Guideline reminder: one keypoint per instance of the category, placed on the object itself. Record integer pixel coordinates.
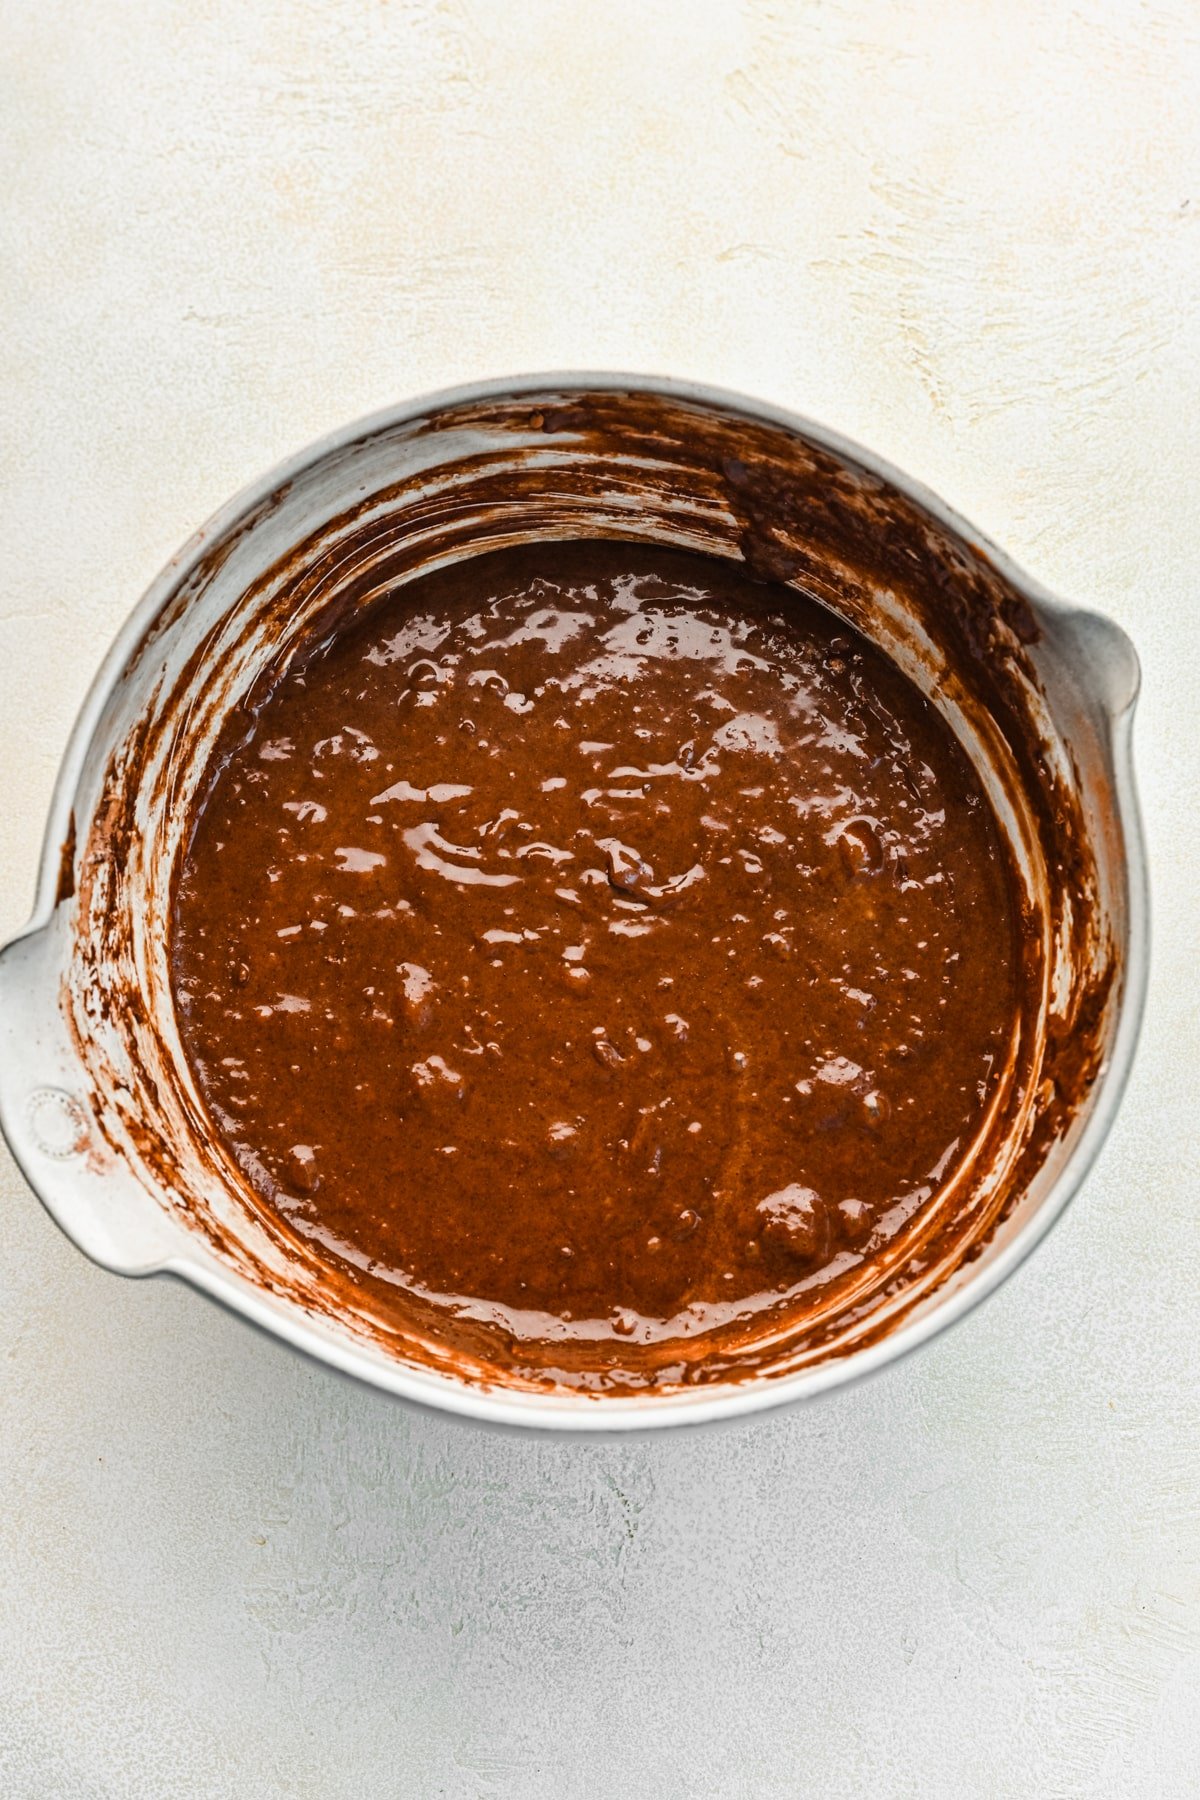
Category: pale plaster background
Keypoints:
(965, 232)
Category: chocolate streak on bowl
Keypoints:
(477, 475)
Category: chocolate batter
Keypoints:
(591, 949)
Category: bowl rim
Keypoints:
(577, 1412)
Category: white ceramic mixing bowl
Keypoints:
(96, 1099)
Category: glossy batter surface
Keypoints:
(599, 945)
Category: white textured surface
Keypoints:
(968, 234)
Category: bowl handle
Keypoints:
(1102, 658)
(49, 1122)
